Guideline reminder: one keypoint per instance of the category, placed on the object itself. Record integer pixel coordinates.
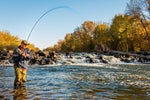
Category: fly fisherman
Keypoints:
(21, 55)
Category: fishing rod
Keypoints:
(59, 7)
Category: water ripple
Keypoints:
(79, 82)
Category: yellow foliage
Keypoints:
(10, 42)
(7, 41)
(32, 47)
(124, 34)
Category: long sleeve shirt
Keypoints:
(20, 60)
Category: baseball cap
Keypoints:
(25, 42)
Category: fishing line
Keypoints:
(59, 7)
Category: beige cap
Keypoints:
(25, 42)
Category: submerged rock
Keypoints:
(109, 59)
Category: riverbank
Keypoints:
(82, 59)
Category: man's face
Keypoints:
(23, 46)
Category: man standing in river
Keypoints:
(21, 55)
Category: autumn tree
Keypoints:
(87, 35)
(10, 42)
(7, 41)
(138, 10)
(101, 35)
(122, 34)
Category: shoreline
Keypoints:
(79, 64)
(47, 58)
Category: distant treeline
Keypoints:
(123, 34)
(9, 42)
(127, 32)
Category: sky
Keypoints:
(18, 17)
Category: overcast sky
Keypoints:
(19, 16)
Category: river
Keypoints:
(68, 82)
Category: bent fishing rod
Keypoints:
(43, 16)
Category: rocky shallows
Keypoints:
(80, 58)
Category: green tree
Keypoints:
(122, 33)
(101, 34)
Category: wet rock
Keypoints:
(133, 60)
(89, 56)
(67, 54)
(78, 57)
(110, 59)
(141, 60)
(97, 61)
(40, 53)
(66, 63)
(117, 55)
(127, 60)
(104, 61)
(53, 56)
(33, 61)
(5, 54)
(42, 61)
(91, 60)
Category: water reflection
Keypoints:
(20, 93)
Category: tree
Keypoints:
(87, 35)
(9, 42)
(122, 33)
(101, 34)
(137, 9)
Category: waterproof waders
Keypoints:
(20, 76)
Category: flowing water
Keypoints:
(105, 82)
